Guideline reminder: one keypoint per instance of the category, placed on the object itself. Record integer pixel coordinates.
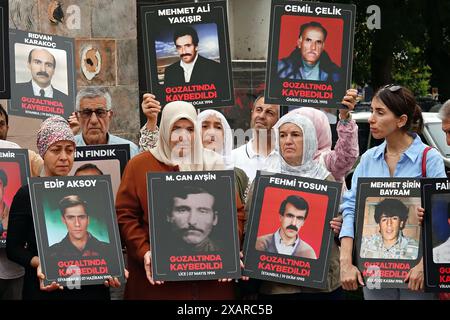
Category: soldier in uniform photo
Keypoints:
(78, 242)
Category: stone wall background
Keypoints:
(109, 26)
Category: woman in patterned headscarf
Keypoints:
(56, 145)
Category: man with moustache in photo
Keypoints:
(192, 216)
(309, 60)
(192, 67)
(42, 65)
(293, 213)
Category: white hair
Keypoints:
(93, 92)
(444, 111)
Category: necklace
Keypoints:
(393, 154)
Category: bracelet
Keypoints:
(345, 121)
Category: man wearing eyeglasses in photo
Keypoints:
(94, 114)
(293, 213)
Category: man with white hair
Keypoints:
(94, 114)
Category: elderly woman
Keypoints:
(56, 145)
(297, 145)
(178, 148)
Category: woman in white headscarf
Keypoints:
(296, 147)
(215, 131)
(179, 142)
(178, 148)
(217, 136)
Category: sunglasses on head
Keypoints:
(392, 87)
(395, 88)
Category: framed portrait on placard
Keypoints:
(185, 52)
(42, 75)
(436, 202)
(193, 225)
(288, 237)
(310, 53)
(14, 171)
(388, 234)
(102, 160)
(76, 229)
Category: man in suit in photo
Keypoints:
(42, 65)
(192, 67)
(286, 240)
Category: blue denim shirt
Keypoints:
(373, 164)
(112, 139)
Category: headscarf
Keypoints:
(52, 130)
(227, 134)
(203, 159)
(322, 126)
(309, 167)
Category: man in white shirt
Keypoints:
(252, 156)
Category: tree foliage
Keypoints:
(411, 48)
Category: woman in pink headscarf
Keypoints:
(340, 160)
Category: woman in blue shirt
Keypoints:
(397, 118)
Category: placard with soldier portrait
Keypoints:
(310, 53)
(193, 225)
(42, 75)
(436, 202)
(76, 230)
(288, 237)
(388, 234)
(14, 171)
(185, 51)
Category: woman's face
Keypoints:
(291, 143)
(58, 159)
(182, 138)
(383, 121)
(213, 134)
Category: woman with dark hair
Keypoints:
(397, 118)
